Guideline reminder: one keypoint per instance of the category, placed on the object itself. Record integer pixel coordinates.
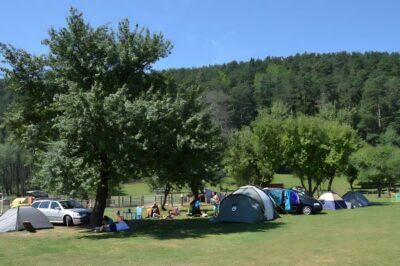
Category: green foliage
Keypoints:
(390, 137)
(187, 148)
(305, 147)
(348, 85)
(242, 105)
(15, 169)
(254, 152)
(239, 160)
(318, 149)
(378, 165)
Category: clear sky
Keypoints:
(208, 32)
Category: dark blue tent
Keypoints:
(355, 199)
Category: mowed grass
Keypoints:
(365, 236)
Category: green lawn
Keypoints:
(367, 236)
(136, 189)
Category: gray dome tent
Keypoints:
(355, 199)
(248, 204)
(12, 219)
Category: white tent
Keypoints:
(332, 201)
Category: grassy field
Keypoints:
(367, 236)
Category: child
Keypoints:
(169, 215)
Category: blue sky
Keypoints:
(206, 32)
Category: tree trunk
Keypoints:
(310, 188)
(101, 193)
(302, 182)
(166, 193)
(330, 182)
(379, 118)
(379, 188)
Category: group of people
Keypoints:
(195, 206)
(154, 212)
(108, 225)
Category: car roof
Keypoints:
(52, 199)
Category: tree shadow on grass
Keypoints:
(183, 228)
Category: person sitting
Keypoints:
(107, 225)
(31, 199)
(156, 216)
(120, 218)
(176, 211)
(195, 208)
(170, 215)
(148, 212)
(155, 211)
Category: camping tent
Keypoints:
(12, 219)
(248, 204)
(355, 199)
(332, 201)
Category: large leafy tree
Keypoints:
(188, 148)
(378, 165)
(255, 152)
(317, 150)
(342, 142)
(82, 107)
(305, 149)
(240, 160)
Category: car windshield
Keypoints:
(70, 204)
(305, 196)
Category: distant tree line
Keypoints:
(361, 89)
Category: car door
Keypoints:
(44, 208)
(55, 212)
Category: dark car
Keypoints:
(308, 205)
(291, 201)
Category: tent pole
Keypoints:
(17, 223)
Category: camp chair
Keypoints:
(138, 213)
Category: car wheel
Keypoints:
(68, 220)
(307, 210)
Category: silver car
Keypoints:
(68, 212)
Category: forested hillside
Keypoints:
(361, 89)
